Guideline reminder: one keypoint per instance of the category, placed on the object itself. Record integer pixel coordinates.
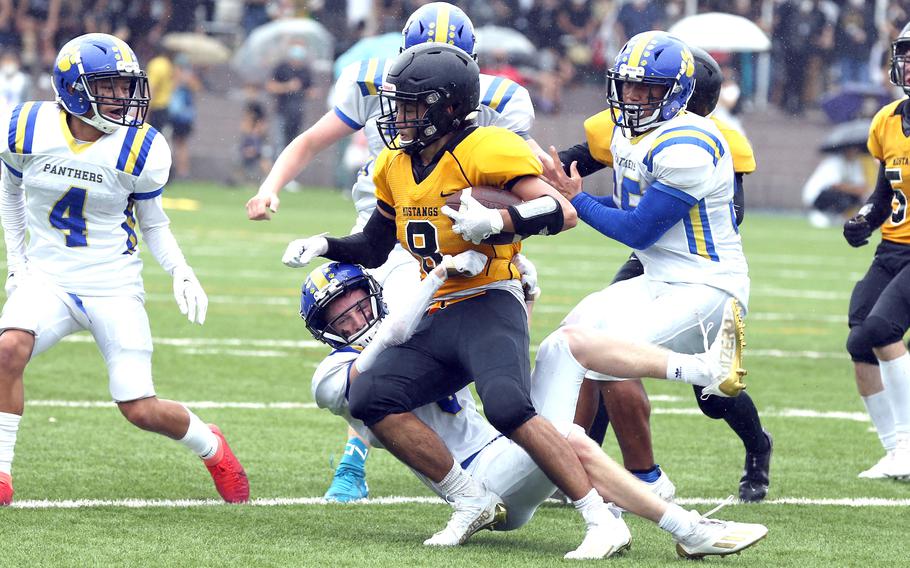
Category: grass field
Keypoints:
(254, 349)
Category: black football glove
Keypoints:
(857, 231)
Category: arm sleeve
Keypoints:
(399, 325)
(739, 198)
(156, 233)
(371, 247)
(12, 214)
(581, 153)
(658, 210)
(878, 207)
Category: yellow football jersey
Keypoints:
(889, 145)
(599, 134)
(486, 156)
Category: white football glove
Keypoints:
(468, 263)
(301, 251)
(473, 221)
(190, 296)
(528, 277)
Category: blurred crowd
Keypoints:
(817, 47)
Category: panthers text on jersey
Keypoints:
(599, 134)
(355, 100)
(690, 159)
(456, 419)
(80, 196)
(488, 156)
(890, 145)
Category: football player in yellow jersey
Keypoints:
(479, 330)
(625, 403)
(880, 304)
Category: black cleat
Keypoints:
(753, 486)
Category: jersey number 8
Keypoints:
(422, 242)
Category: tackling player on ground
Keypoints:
(78, 176)
(880, 304)
(342, 306)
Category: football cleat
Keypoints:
(727, 350)
(471, 515)
(899, 466)
(753, 486)
(714, 537)
(6, 489)
(605, 536)
(880, 469)
(348, 484)
(227, 473)
(663, 487)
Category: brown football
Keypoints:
(494, 198)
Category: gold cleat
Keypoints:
(727, 351)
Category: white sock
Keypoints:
(676, 521)
(458, 483)
(896, 379)
(9, 427)
(589, 505)
(688, 369)
(199, 438)
(879, 410)
(556, 379)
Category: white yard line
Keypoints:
(207, 404)
(385, 501)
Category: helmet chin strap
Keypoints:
(97, 121)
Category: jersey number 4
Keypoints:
(423, 243)
(67, 217)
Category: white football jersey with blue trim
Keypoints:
(80, 196)
(456, 419)
(688, 158)
(355, 100)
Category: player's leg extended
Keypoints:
(696, 536)
(34, 319)
(398, 276)
(121, 330)
(865, 363)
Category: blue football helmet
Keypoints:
(439, 22)
(655, 59)
(90, 64)
(329, 282)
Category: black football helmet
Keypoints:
(708, 79)
(900, 53)
(440, 77)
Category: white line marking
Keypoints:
(208, 404)
(216, 342)
(393, 500)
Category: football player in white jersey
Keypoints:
(342, 306)
(79, 175)
(355, 106)
(672, 202)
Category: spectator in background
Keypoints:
(839, 185)
(181, 113)
(255, 152)
(37, 21)
(577, 23)
(14, 83)
(497, 63)
(791, 37)
(638, 16)
(142, 28)
(554, 69)
(255, 14)
(9, 37)
(160, 71)
(290, 85)
(855, 35)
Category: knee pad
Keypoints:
(715, 407)
(875, 331)
(361, 402)
(507, 417)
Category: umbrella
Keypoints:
(268, 45)
(846, 135)
(715, 31)
(200, 48)
(381, 46)
(491, 39)
(854, 100)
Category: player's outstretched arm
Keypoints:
(292, 160)
(370, 247)
(12, 216)
(400, 325)
(156, 232)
